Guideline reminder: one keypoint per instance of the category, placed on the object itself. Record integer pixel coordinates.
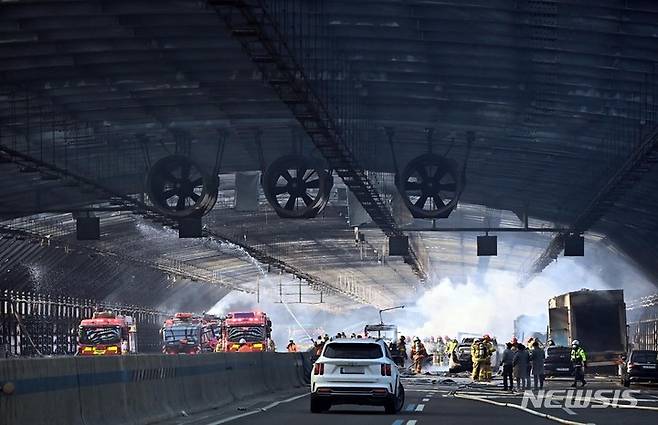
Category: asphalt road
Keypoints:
(434, 400)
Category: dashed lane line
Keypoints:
(420, 408)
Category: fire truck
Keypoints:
(211, 334)
(254, 327)
(186, 333)
(107, 334)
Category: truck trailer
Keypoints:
(596, 318)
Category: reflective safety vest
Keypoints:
(578, 356)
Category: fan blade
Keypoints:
(448, 187)
(313, 184)
(412, 186)
(278, 190)
(420, 203)
(312, 173)
(307, 199)
(290, 205)
(180, 205)
(169, 193)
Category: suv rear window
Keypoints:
(353, 351)
(644, 357)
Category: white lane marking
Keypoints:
(420, 407)
(426, 399)
(525, 409)
(412, 422)
(262, 409)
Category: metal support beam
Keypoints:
(263, 40)
(129, 203)
(643, 157)
(488, 229)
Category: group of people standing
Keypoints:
(418, 353)
(520, 363)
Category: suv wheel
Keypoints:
(395, 403)
(318, 406)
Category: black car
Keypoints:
(558, 362)
(641, 366)
(462, 356)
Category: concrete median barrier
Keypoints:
(138, 389)
(28, 388)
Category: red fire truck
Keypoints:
(212, 332)
(186, 333)
(254, 327)
(181, 334)
(107, 334)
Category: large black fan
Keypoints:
(179, 188)
(297, 186)
(431, 186)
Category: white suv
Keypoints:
(356, 371)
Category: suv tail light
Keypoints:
(386, 369)
(318, 369)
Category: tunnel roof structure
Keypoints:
(560, 95)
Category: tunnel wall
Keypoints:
(139, 389)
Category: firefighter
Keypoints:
(475, 360)
(418, 354)
(439, 350)
(451, 346)
(291, 347)
(485, 358)
(579, 361)
(244, 348)
(402, 349)
(319, 345)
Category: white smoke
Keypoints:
(487, 302)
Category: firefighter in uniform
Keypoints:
(475, 359)
(402, 349)
(418, 354)
(439, 350)
(579, 361)
(485, 368)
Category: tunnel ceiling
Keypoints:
(558, 93)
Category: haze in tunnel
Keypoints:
(488, 301)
